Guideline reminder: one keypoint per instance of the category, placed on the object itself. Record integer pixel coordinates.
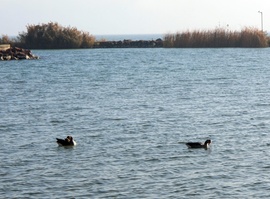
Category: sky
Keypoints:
(112, 17)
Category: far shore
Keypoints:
(158, 43)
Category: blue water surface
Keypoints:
(130, 112)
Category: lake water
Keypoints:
(130, 112)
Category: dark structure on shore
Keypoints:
(129, 44)
(15, 53)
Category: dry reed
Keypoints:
(217, 38)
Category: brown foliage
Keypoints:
(55, 36)
(7, 40)
(217, 38)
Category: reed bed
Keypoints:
(50, 36)
(217, 38)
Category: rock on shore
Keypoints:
(15, 53)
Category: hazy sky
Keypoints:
(134, 16)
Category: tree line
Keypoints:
(54, 36)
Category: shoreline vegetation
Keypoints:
(218, 38)
(54, 36)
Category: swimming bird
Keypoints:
(69, 141)
(197, 145)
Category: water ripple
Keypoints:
(131, 111)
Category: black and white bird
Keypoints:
(69, 141)
(197, 145)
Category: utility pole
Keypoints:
(261, 20)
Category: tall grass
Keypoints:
(54, 36)
(5, 39)
(217, 38)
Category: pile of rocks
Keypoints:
(15, 53)
(130, 44)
